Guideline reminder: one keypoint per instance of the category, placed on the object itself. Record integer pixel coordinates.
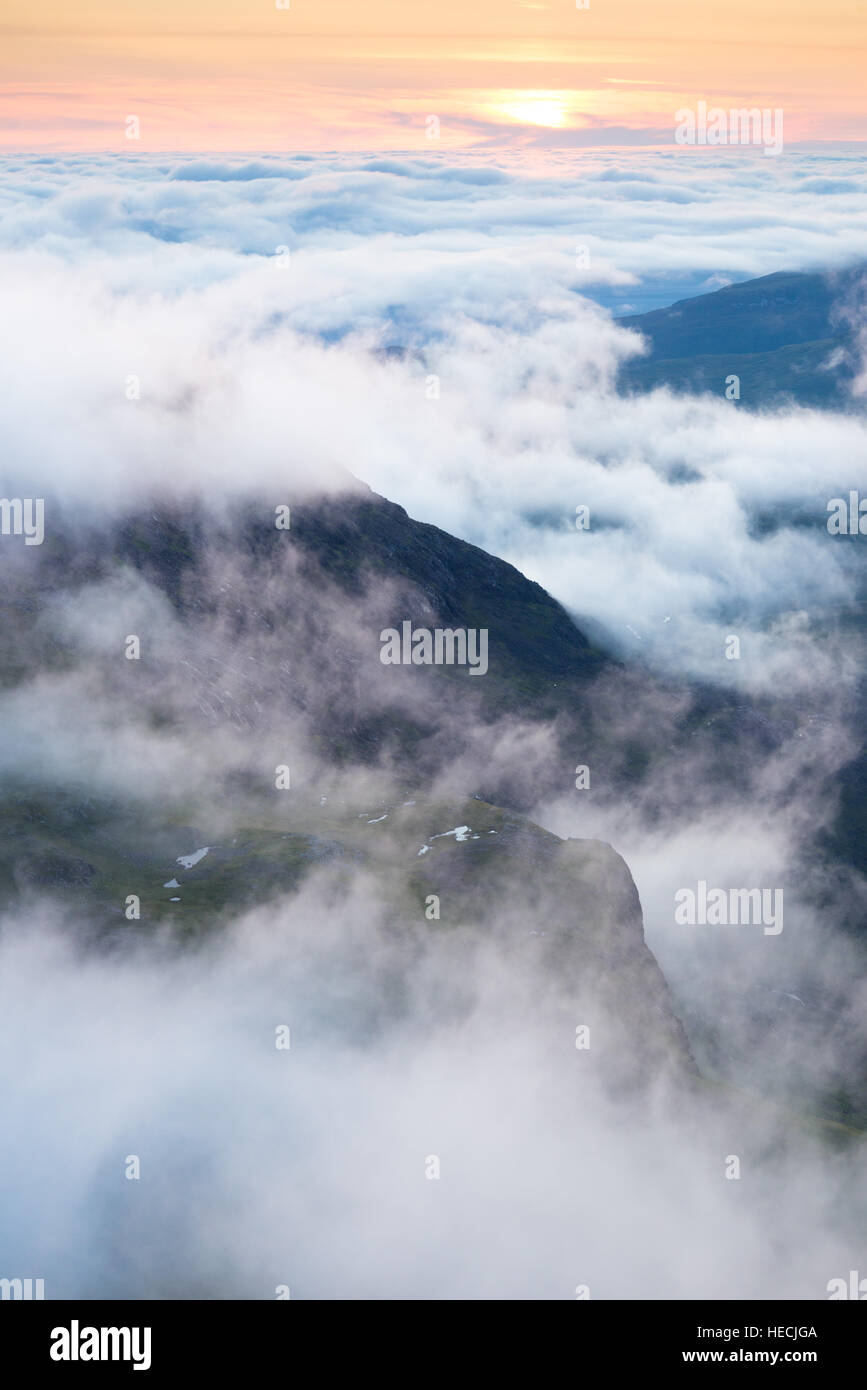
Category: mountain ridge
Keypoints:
(791, 337)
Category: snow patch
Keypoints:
(189, 860)
(460, 832)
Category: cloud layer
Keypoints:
(202, 329)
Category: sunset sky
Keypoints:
(367, 74)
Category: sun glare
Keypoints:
(535, 108)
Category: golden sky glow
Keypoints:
(367, 74)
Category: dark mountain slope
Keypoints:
(270, 649)
(564, 915)
(759, 315)
(787, 336)
(283, 623)
(261, 647)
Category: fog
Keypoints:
(157, 360)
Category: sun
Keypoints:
(542, 108)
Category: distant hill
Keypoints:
(787, 336)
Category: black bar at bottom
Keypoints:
(153, 1339)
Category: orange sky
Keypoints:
(366, 74)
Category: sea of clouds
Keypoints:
(278, 319)
(201, 327)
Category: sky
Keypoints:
(335, 74)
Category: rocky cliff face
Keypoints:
(567, 912)
(480, 896)
(260, 649)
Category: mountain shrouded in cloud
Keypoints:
(431, 952)
(225, 815)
